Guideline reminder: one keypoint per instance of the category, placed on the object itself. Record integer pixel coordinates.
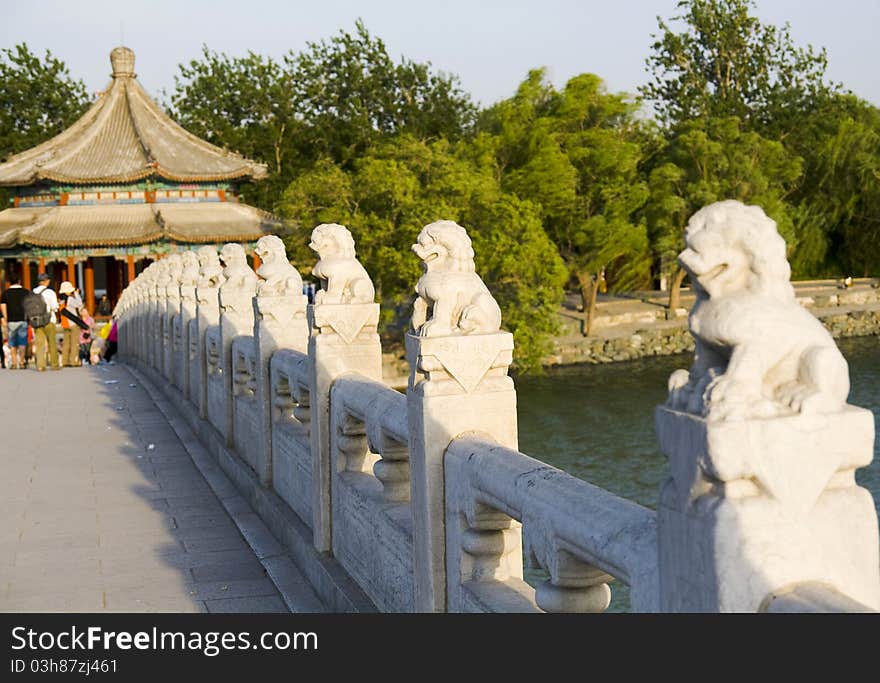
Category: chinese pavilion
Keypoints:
(121, 187)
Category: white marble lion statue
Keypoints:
(239, 275)
(343, 279)
(758, 352)
(210, 268)
(279, 277)
(452, 297)
(189, 276)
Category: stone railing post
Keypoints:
(172, 311)
(754, 506)
(207, 316)
(343, 338)
(157, 315)
(762, 446)
(458, 383)
(279, 322)
(188, 280)
(236, 318)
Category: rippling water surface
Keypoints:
(597, 422)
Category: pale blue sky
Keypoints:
(490, 45)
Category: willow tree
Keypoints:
(575, 153)
(708, 161)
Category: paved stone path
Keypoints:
(102, 509)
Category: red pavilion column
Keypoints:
(131, 273)
(26, 273)
(71, 271)
(89, 285)
(257, 261)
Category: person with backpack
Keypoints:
(13, 317)
(43, 321)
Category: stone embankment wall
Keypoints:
(848, 314)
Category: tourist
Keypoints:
(85, 335)
(45, 342)
(68, 305)
(104, 306)
(111, 343)
(16, 324)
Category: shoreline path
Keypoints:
(103, 509)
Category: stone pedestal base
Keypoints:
(755, 506)
(343, 339)
(279, 322)
(457, 384)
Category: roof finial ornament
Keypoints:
(122, 61)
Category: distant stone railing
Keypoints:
(422, 502)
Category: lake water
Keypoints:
(596, 422)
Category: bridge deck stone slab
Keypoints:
(102, 508)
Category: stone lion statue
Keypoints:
(237, 273)
(280, 278)
(210, 268)
(758, 352)
(452, 297)
(189, 276)
(343, 278)
(173, 270)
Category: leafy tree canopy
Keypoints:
(722, 61)
(403, 184)
(38, 98)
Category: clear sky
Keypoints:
(489, 44)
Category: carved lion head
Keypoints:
(271, 249)
(207, 256)
(445, 246)
(233, 254)
(190, 273)
(332, 239)
(731, 248)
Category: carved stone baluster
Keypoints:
(574, 586)
(351, 444)
(393, 469)
(302, 411)
(491, 546)
(282, 399)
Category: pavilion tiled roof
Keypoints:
(125, 137)
(127, 224)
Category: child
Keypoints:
(85, 337)
(96, 351)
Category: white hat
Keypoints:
(66, 288)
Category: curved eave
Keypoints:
(135, 177)
(34, 240)
(131, 224)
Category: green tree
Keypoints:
(404, 183)
(244, 104)
(576, 155)
(350, 93)
(722, 61)
(707, 161)
(333, 100)
(38, 100)
(838, 202)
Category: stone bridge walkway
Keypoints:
(103, 509)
